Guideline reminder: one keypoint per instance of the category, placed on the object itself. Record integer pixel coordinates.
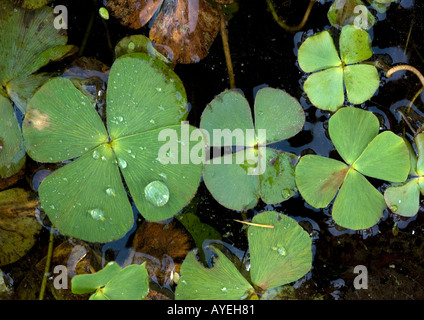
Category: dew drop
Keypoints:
(96, 214)
(163, 175)
(394, 208)
(286, 193)
(96, 154)
(225, 290)
(122, 163)
(120, 119)
(110, 192)
(280, 250)
(152, 121)
(157, 193)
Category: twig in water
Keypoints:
(283, 24)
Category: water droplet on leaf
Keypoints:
(110, 192)
(122, 163)
(97, 214)
(157, 193)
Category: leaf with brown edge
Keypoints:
(133, 13)
(185, 30)
(18, 225)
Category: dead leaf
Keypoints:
(185, 30)
(163, 246)
(18, 224)
(133, 13)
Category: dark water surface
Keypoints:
(265, 54)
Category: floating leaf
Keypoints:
(279, 114)
(86, 198)
(163, 247)
(12, 153)
(279, 255)
(350, 138)
(344, 12)
(325, 88)
(138, 43)
(327, 174)
(358, 204)
(255, 171)
(221, 282)
(404, 198)
(183, 30)
(18, 224)
(114, 283)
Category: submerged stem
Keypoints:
(224, 36)
(47, 267)
(283, 24)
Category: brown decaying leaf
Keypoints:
(185, 30)
(163, 247)
(18, 224)
(133, 13)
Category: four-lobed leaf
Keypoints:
(86, 198)
(278, 255)
(331, 72)
(253, 171)
(358, 204)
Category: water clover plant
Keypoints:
(404, 198)
(355, 135)
(86, 198)
(331, 72)
(114, 283)
(237, 180)
(28, 42)
(278, 256)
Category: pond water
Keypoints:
(264, 54)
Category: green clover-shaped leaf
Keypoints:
(280, 253)
(86, 198)
(404, 198)
(358, 204)
(330, 71)
(114, 283)
(255, 171)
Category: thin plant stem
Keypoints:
(226, 46)
(47, 267)
(285, 26)
(403, 67)
(415, 98)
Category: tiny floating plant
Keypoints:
(86, 198)
(358, 204)
(278, 256)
